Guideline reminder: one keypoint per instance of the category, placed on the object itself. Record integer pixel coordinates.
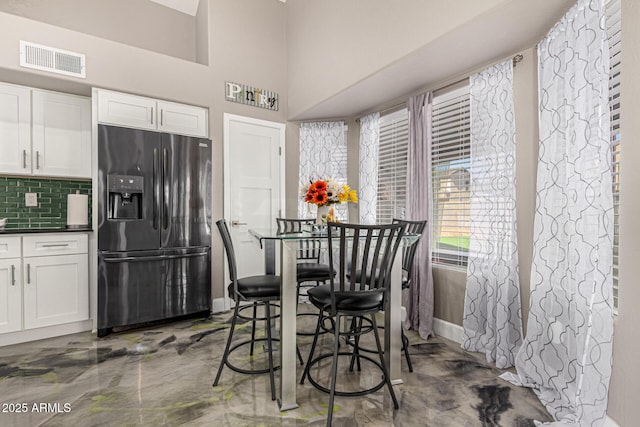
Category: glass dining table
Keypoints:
(280, 250)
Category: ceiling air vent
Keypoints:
(51, 59)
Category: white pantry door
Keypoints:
(254, 184)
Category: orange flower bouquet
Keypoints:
(326, 192)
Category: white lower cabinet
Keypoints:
(45, 282)
(10, 295)
(56, 290)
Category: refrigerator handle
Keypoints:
(165, 185)
(156, 192)
(153, 257)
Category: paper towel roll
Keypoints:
(77, 210)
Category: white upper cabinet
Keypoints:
(126, 110)
(182, 119)
(61, 135)
(122, 109)
(44, 133)
(15, 129)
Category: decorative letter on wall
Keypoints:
(249, 95)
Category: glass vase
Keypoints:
(321, 216)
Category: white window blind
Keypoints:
(392, 166)
(614, 32)
(451, 151)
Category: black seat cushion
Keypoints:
(405, 281)
(314, 271)
(256, 287)
(320, 296)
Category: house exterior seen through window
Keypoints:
(450, 169)
(451, 160)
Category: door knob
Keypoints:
(236, 222)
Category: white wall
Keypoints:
(139, 23)
(246, 45)
(335, 43)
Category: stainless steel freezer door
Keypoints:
(132, 152)
(145, 286)
(186, 191)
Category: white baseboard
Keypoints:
(447, 330)
(46, 332)
(219, 305)
(608, 422)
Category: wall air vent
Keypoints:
(50, 59)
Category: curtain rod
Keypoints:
(517, 58)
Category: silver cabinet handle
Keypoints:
(236, 222)
(161, 117)
(151, 115)
(28, 274)
(55, 245)
(37, 159)
(13, 275)
(24, 159)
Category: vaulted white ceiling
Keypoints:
(189, 7)
(507, 29)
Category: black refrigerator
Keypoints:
(154, 226)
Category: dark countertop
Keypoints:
(4, 231)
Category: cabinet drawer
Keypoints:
(54, 244)
(10, 247)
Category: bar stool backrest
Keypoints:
(409, 252)
(292, 225)
(231, 255)
(308, 249)
(368, 249)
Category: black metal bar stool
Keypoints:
(408, 255)
(259, 290)
(370, 249)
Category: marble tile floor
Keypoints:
(162, 375)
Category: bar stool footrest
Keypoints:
(346, 393)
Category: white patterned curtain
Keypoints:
(369, 151)
(566, 354)
(323, 154)
(492, 322)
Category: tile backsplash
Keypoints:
(51, 211)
